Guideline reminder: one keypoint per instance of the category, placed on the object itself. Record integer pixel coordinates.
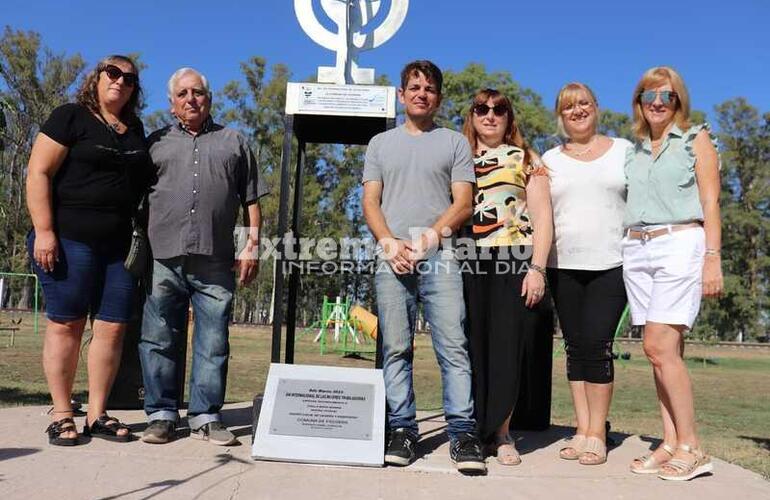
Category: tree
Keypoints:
(745, 207)
(535, 121)
(33, 81)
(616, 124)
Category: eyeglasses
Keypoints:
(483, 109)
(569, 108)
(667, 97)
(114, 73)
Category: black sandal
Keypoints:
(59, 427)
(107, 427)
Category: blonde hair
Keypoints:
(655, 77)
(568, 95)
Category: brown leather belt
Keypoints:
(633, 234)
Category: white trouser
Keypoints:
(664, 276)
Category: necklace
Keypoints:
(113, 125)
(586, 150)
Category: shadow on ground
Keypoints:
(763, 443)
(11, 453)
(165, 486)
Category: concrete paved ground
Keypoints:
(187, 468)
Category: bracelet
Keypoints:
(540, 269)
(713, 251)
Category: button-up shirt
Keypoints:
(663, 189)
(201, 182)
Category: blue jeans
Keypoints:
(209, 284)
(438, 285)
(86, 280)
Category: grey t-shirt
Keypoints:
(417, 172)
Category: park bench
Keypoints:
(12, 331)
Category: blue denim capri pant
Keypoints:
(86, 281)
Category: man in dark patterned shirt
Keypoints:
(205, 173)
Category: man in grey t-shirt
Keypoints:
(418, 185)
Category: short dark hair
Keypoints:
(427, 68)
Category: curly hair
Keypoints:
(88, 95)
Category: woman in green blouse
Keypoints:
(671, 255)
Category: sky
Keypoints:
(722, 49)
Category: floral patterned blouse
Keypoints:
(500, 216)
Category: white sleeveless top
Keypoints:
(588, 198)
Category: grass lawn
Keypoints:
(732, 386)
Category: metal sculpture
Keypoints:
(351, 17)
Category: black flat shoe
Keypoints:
(56, 429)
(107, 427)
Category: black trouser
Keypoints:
(589, 305)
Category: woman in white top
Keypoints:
(585, 263)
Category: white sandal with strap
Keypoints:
(650, 464)
(678, 469)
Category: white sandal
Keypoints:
(574, 447)
(678, 469)
(650, 464)
(594, 452)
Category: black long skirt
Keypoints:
(501, 330)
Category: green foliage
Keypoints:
(33, 81)
(745, 206)
(534, 119)
(616, 124)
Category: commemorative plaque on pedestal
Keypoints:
(322, 414)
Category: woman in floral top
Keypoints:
(504, 278)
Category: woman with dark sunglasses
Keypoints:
(86, 170)
(671, 255)
(505, 284)
(585, 271)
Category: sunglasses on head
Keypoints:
(483, 109)
(667, 97)
(114, 73)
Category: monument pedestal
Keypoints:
(324, 114)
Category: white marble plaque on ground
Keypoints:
(322, 414)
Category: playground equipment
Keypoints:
(364, 321)
(349, 326)
(619, 329)
(10, 285)
(622, 325)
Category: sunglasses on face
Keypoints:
(667, 97)
(114, 73)
(483, 109)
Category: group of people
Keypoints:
(90, 168)
(596, 223)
